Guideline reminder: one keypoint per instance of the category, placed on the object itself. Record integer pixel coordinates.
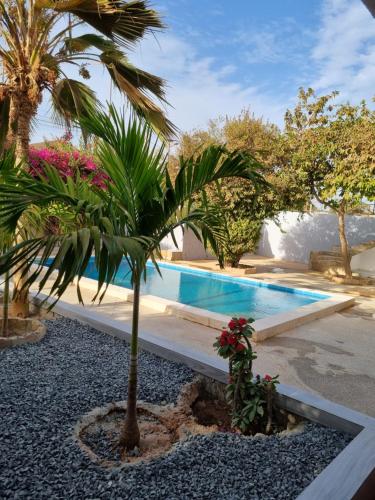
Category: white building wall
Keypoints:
(296, 236)
(299, 234)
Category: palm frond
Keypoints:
(63, 258)
(111, 54)
(98, 232)
(136, 84)
(136, 164)
(141, 203)
(124, 22)
(82, 43)
(213, 164)
(142, 105)
(121, 69)
(73, 100)
(129, 153)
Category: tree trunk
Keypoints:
(24, 111)
(130, 435)
(344, 244)
(4, 323)
(20, 307)
(12, 126)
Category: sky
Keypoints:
(219, 57)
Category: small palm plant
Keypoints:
(6, 238)
(5, 319)
(138, 209)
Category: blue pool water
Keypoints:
(217, 293)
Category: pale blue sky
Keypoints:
(220, 57)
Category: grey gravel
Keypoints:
(45, 388)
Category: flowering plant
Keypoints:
(68, 161)
(251, 398)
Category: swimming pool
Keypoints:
(215, 292)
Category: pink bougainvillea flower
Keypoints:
(267, 378)
(69, 164)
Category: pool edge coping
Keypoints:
(342, 479)
(265, 328)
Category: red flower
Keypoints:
(224, 338)
(267, 378)
(240, 347)
(242, 321)
(232, 339)
(232, 324)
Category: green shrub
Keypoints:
(243, 237)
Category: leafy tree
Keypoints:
(242, 203)
(39, 39)
(332, 153)
(140, 207)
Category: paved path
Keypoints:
(333, 357)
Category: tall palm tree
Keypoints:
(141, 206)
(40, 39)
(38, 43)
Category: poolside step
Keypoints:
(171, 255)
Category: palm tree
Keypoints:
(141, 205)
(37, 44)
(40, 39)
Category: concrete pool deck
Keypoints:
(264, 327)
(333, 357)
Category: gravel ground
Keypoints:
(45, 388)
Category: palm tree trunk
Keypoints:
(21, 135)
(5, 320)
(130, 435)
(25, 114)
(20, 300)
(344, 244)
(13, 118)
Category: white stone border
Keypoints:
(264, 327)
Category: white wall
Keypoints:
(188, 243)
(364, 262)
(299, 234)
(168, 244)
(193, 249)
